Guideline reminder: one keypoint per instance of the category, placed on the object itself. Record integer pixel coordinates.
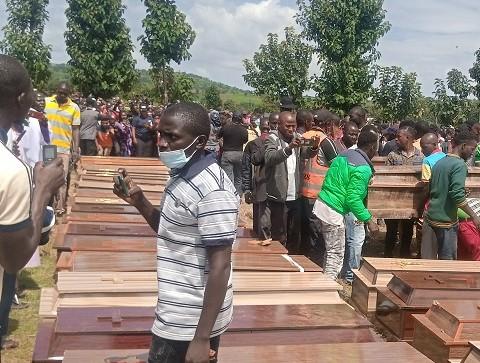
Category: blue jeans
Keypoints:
(355, 237)
(439, 241)
(171, 351)
(8, 292)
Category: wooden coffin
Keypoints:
(325, 353)
(444, 331)
(411, 293)
(129, 328)
(97, 215)
(473, 356)
(108, 179)
(113, 200)
(92, 261)
(145, 244)
(93, 328)
(329, 353)
(108, 185)
(140, 289)
(104, 209)
(377, 272)
(108, 193)
(297, 324)
(131, 169)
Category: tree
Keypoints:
(23, 38)
(212, 98)
(280, 68)
(167, 38)
(459, 84)
(100, 49)
(398, 95)
(475, 74)
(182, 88)
(345, 34)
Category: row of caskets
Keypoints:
(102, 307)
(433, 305)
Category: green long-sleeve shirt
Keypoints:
(447, 191)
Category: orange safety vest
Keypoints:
(315, 169)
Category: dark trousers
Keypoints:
(286, 224)
(88, 147)
(406, 234)
(262, 220)
(171, 351)
(313, 245)
(8, 292)
(144, 148)
(441, 240)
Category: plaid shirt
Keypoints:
(397, 157)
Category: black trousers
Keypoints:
(172, 351)
(406, 234)
(287, 224)
(313, 245)
(88, 147)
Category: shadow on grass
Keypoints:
(26, 280)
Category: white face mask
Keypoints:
(176, 159)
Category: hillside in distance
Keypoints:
(232, 96)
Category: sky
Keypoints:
(428, 37)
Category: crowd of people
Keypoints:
(306, 173)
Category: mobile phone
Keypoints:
(49, 153)
(121, 184)
(306, 142)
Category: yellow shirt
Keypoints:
(61, 118)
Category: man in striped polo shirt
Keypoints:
(63, 117)
(196, 226)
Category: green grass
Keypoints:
(23, 323)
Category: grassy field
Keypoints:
(23, 323)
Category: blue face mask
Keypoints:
(176, 159)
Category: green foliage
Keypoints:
(448, 109)
(280, 68)
(345, 34)
(167, 37)
(182, 88)
(459, 84)
(475, 74)
(23, 38)
(212, 98)
(99, 45)
(398, 95)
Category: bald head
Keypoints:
(287, 125)
(429, 143)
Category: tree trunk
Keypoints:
(165, 93)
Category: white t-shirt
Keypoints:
(30, 146)
(15, 191)
(327, 214)
(291, 170)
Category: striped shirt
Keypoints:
(61, 118)
(199, 210)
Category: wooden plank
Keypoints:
(108, 185)
(108, 193)
(90, 214)
(104, 209)
(329, 353)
